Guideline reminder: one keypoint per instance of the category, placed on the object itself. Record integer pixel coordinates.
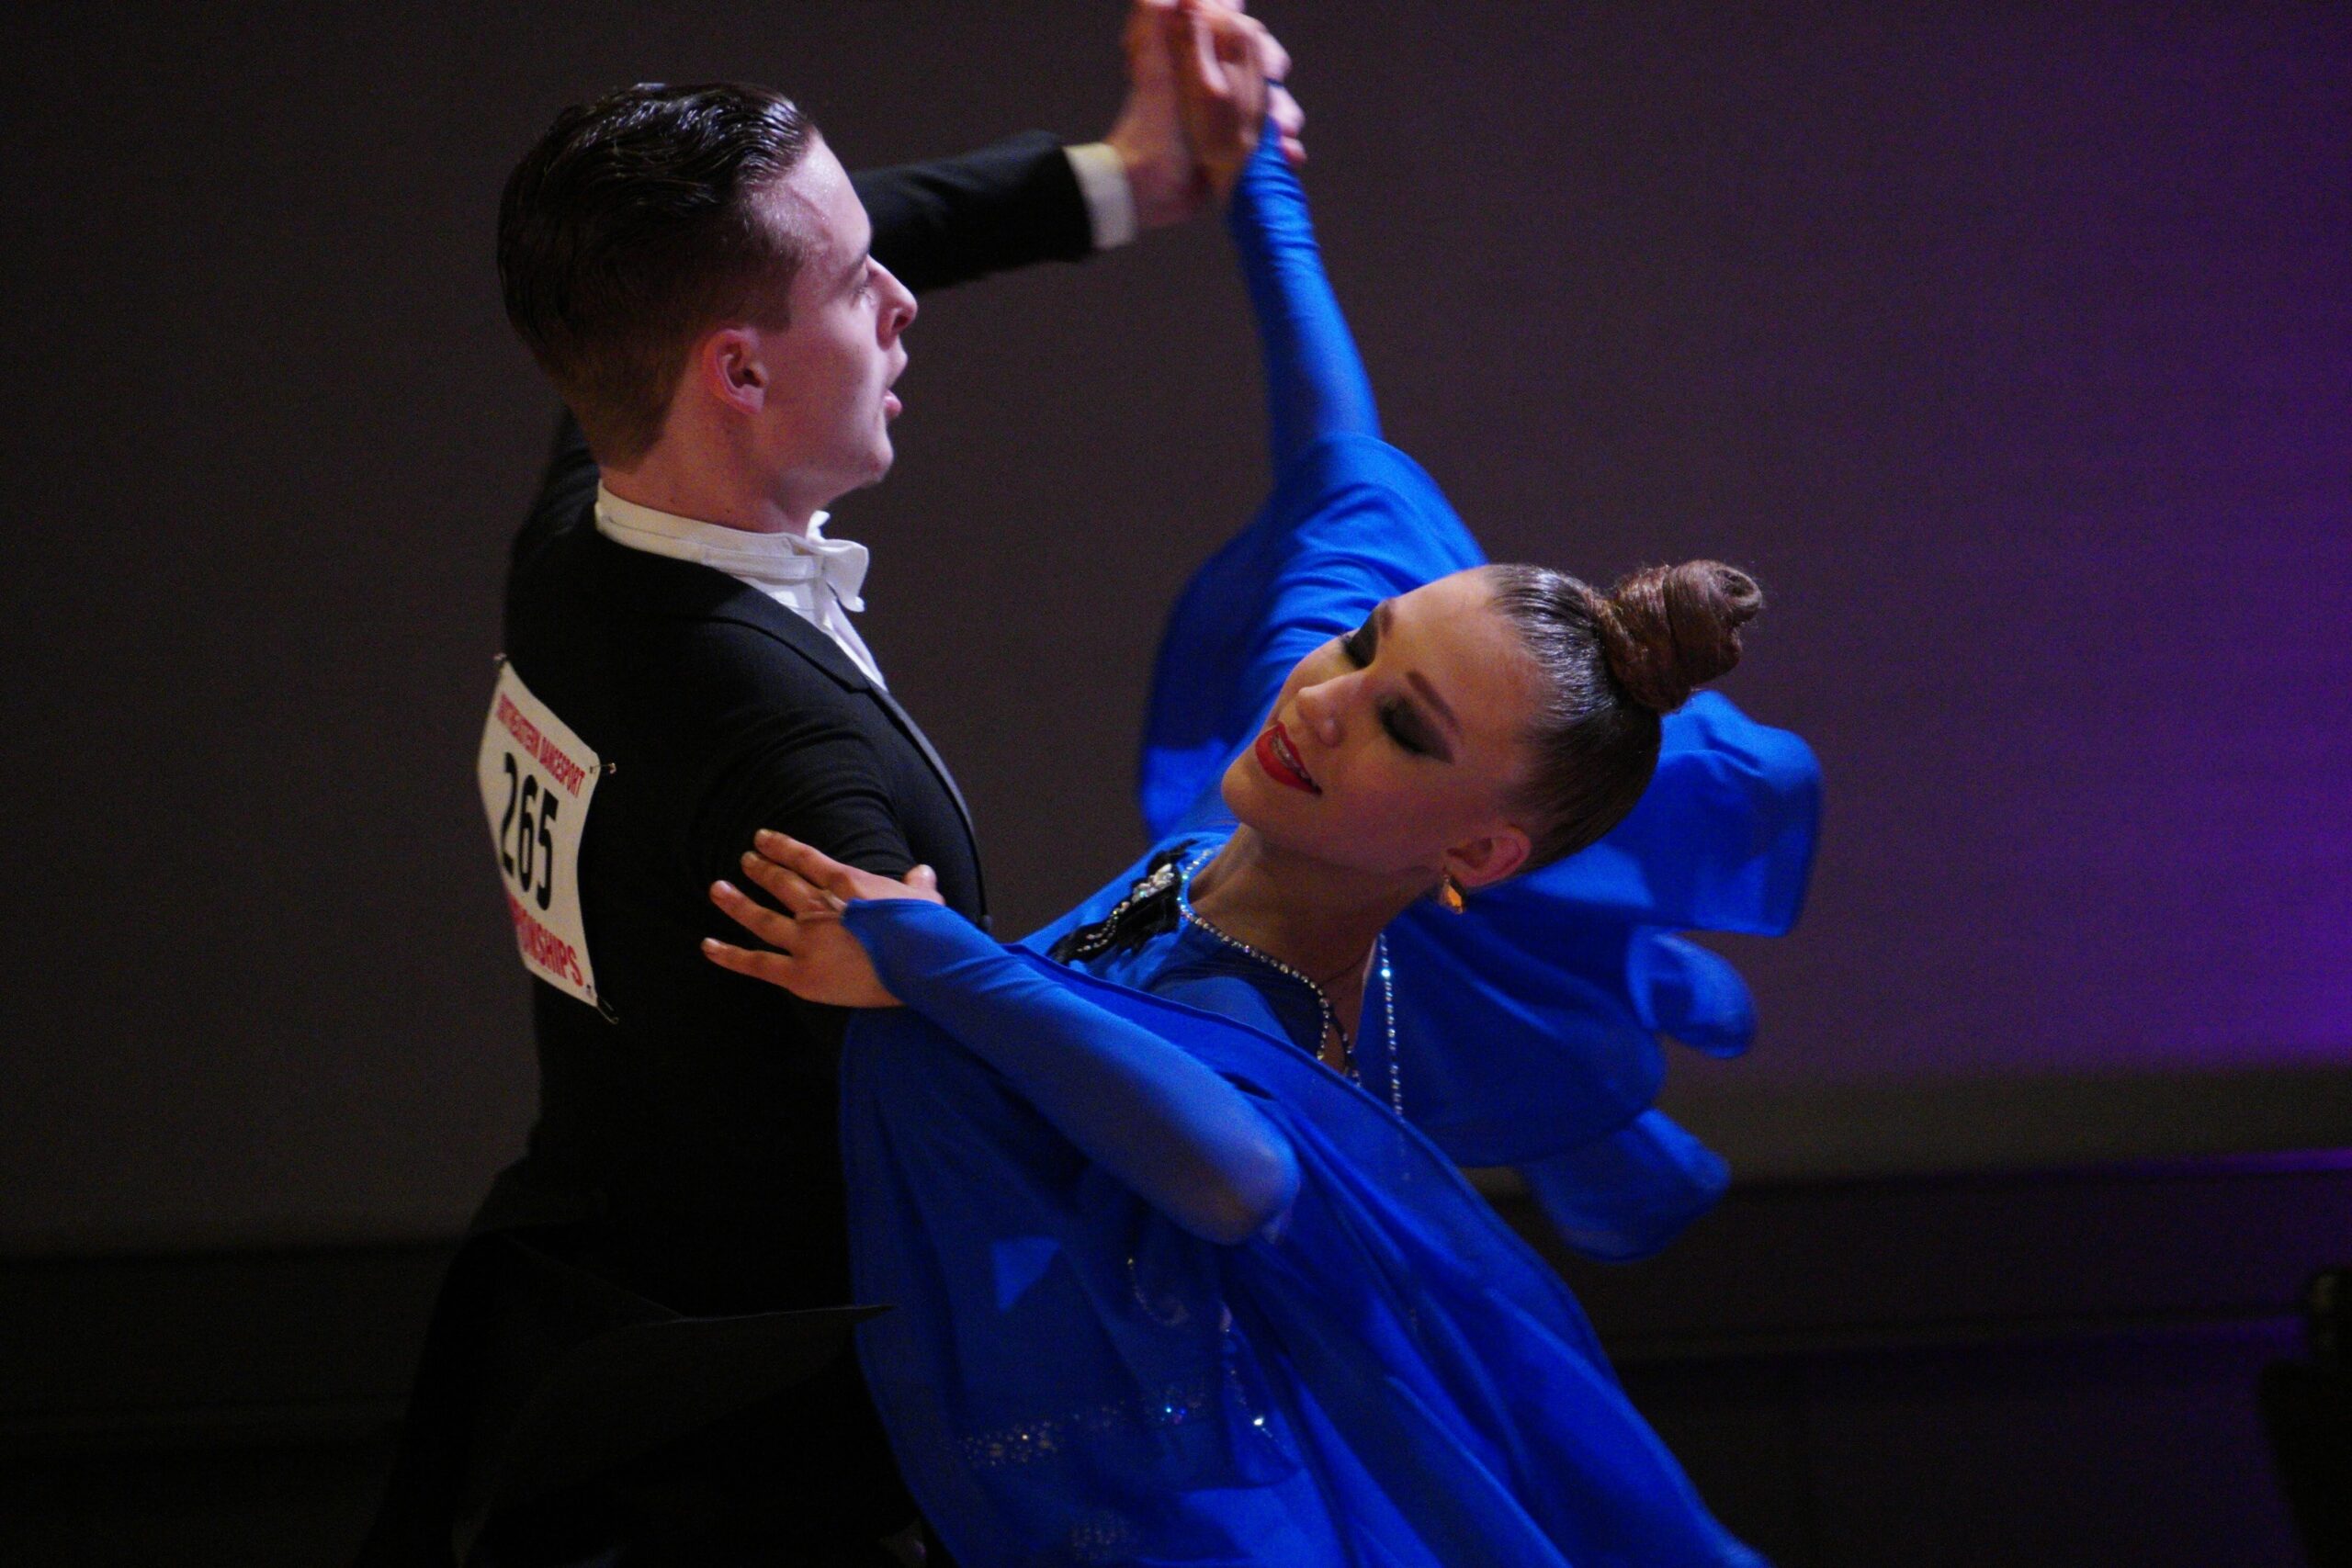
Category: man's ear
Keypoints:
(731, 367)
(1488, 858)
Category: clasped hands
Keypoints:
(1203, 79)
(814, 955)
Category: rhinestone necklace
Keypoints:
(1323, 1003)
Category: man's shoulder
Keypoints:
(626, 616)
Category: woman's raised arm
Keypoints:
(1316, 381)
(1315, 385)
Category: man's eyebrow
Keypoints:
(856, 267)
(1418, 681)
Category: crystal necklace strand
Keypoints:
(1322, 1002)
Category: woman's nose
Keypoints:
(1320, 708)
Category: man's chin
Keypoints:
(876, 469)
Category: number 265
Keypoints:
(525, 803)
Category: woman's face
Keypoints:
(1392, 751)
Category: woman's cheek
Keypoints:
(1373, 803)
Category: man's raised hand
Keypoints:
(1164, 169)
(814, 955)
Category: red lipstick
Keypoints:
(1279, 758)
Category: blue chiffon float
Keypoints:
(1388, 1375)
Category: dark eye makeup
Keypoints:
(1403, 725)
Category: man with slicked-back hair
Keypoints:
(641, 1354)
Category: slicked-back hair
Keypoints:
(637, 224)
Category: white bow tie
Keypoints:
(779, 559)
(773, 560)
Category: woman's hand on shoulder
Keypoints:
(810, 951)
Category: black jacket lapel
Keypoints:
(913, 731)
(664, 586)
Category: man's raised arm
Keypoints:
(1028, 198)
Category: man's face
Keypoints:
(826, 427)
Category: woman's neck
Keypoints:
(1319, 919)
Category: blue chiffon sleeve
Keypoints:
(1529, 1027)
(1184, 1139)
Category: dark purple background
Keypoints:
(2011, 350)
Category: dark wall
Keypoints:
(2007, 348)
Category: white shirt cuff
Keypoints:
(1110, 204)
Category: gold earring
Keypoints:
(1449, 896)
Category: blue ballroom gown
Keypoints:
(1385, 1375)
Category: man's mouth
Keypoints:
(1277, 755)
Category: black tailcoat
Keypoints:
(642, 1345)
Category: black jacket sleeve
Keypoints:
(950, 221)
(809, 772)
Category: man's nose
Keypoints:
(898, 304)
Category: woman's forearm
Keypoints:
(1315, 385)
(1182, 1137)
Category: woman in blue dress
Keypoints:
(1166, 1199)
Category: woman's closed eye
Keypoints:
(1404, 726)
(1402, 723)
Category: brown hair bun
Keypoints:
(1666, 630)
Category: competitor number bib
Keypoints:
(536, 778)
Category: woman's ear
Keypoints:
(1488, 858)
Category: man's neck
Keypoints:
(684, 490)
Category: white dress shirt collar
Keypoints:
(767, 559)
(819, 579)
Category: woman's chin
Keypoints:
(1238, 791)
(1310, 827)
(1256, 805)
(1246, 798)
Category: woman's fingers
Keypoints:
(809, 882)
(775, 968)
(1290, 119)
(1274, 63)
(776, 930)
(1271, 56)
(820, 868)
(795, 892)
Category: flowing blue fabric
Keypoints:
(1383, 1373)
(1386, 1375)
